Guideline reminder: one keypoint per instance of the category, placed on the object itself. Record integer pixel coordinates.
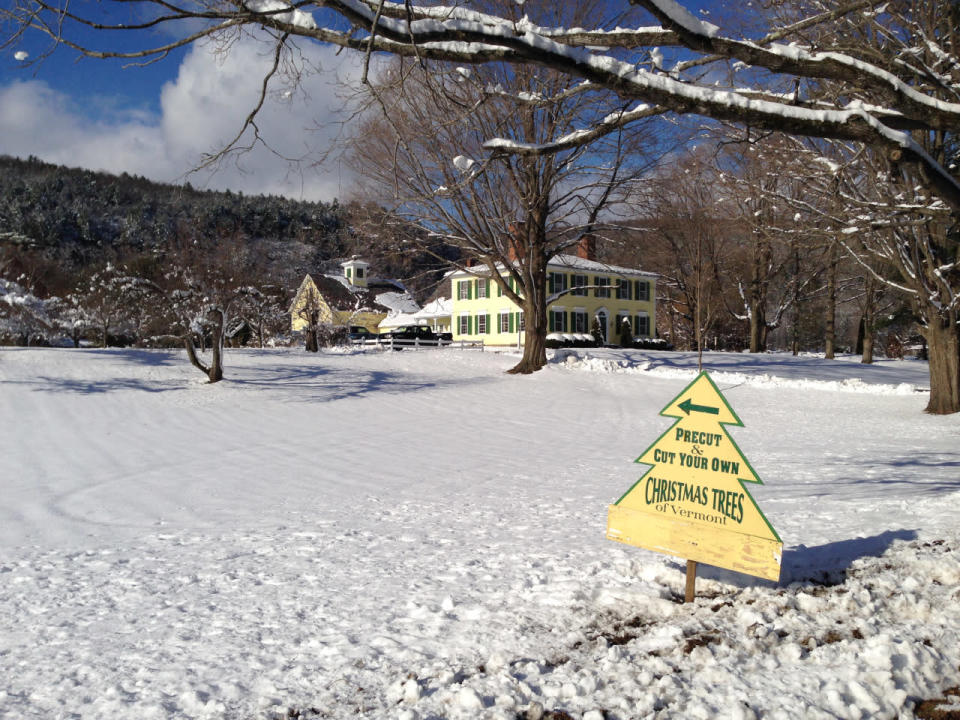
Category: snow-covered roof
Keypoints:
(441, 307)
(574, 262)
(378, 295)
(398, 319)
(571, 263)
(398, 302)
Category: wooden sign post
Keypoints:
(692, 503)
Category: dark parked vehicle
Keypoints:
(412, 334)
(359, 332)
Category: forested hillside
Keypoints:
(77, 220)
(76, 248)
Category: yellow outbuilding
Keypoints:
(352, 298)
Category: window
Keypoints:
(642, 327)
(464, 290)
(521, 321)
(557, 282)
(464, 324)
(482, 324)
(579, 284)
(558, 320)
(482, 288)
(580, 321)
(603, 287)
(642, 288)
(623, 289)
(348, 273)
(506, 326)
(359, 273)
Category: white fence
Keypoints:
(389, 343)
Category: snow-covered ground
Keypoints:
(419, 535)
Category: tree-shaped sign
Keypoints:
(692, 502)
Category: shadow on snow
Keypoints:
(819, 565)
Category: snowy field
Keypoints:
(418, 535)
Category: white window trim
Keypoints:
(503, 314)
(482, 314)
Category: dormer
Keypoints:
(356, 272)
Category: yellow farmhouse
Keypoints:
(587, 296)
(353, 298)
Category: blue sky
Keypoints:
(158, 120)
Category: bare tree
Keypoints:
(686, 236)
(507, 215)
(264, 309)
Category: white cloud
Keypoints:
(201, 109)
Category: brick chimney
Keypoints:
(515, 239)
(587, 248)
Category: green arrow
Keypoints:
(687, 406)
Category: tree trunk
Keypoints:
(868, 322)
(192, 354)
(758, 323)
(795, 341)
(759, 283)
(535, 317)
(219, 318)
(214, 371)
(312, 343)
(534, 346)
(943, 343)
(830, 329)
(867, 358)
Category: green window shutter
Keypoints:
(486, 287)
(499, 290)
(488, 324)
(469, 289)
(469, 324)
(510, 329)
(636, 289)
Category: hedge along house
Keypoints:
(584, 296)
(353, 298)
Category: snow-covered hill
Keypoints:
(419, 535)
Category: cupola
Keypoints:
(355, 271)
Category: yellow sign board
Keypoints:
(693, 503)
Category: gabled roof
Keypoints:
(379, 296)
